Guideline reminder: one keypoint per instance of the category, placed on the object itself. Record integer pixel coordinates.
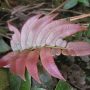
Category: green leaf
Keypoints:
(3, 46)
(4, 82)
(85, 2)
(26, 85)
(70, 4)
(62, 85)
(16, 83)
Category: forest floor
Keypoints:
(75, 69)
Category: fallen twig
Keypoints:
(79, 17)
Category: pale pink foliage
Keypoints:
(77, 49)
(42, 36)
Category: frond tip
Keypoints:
(77, 49)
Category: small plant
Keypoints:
(72, 3)
(42, 36)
